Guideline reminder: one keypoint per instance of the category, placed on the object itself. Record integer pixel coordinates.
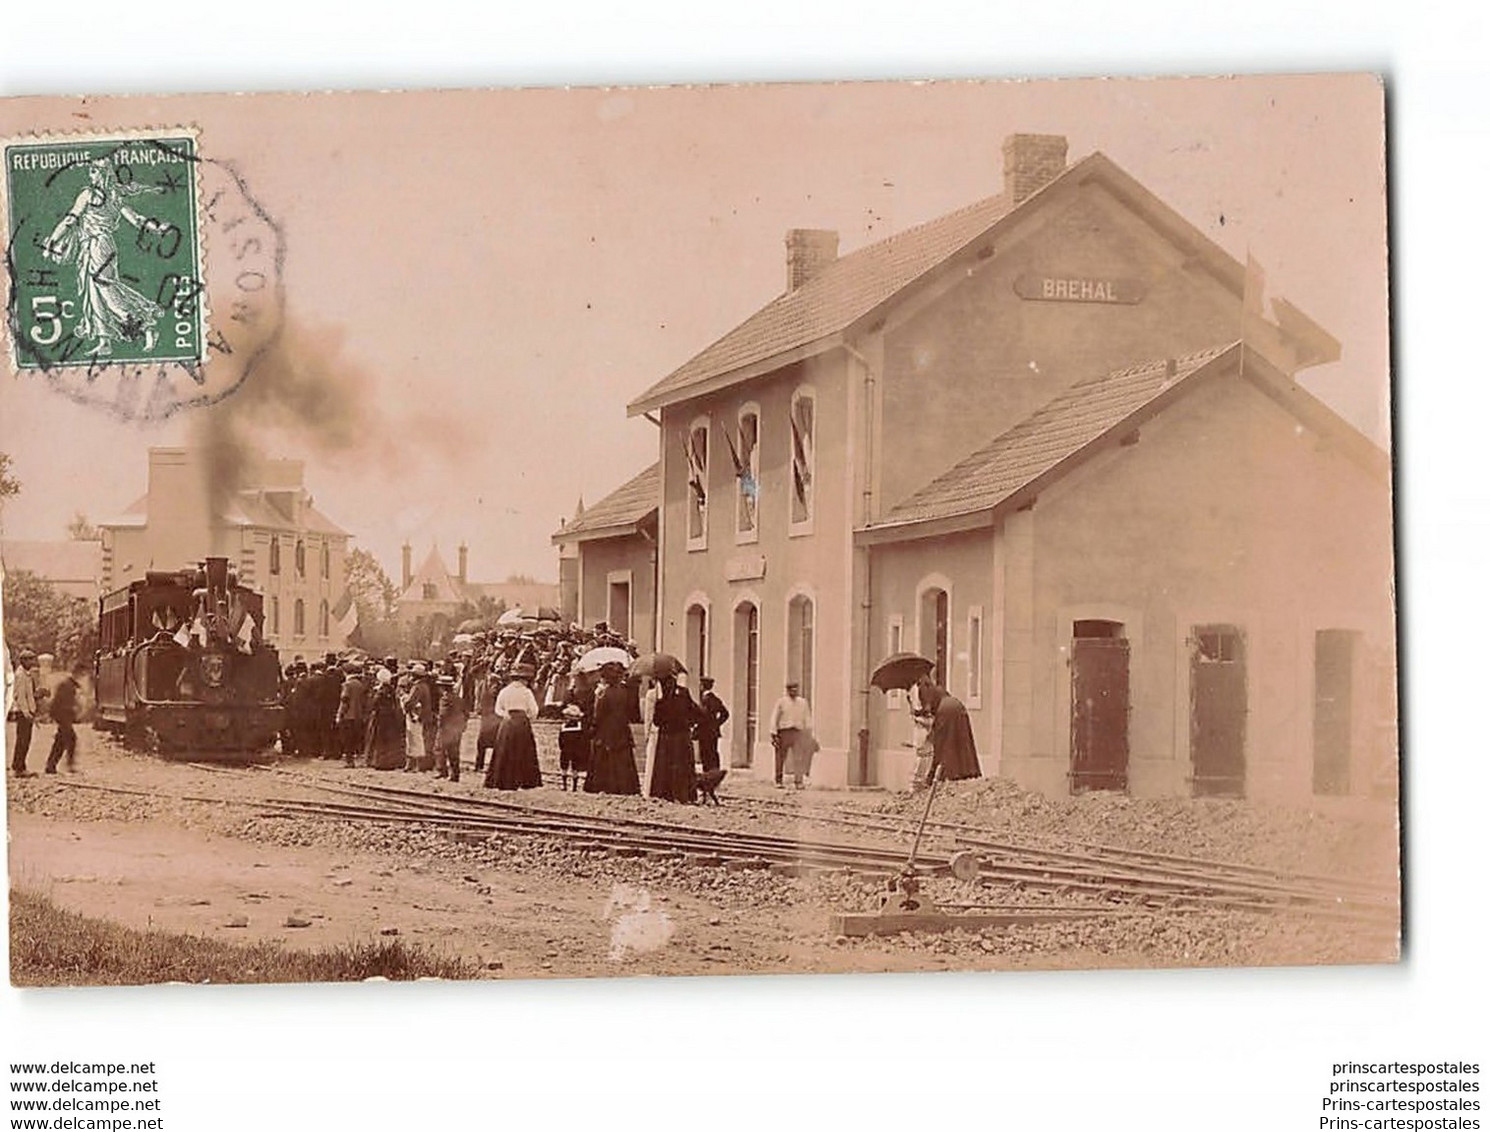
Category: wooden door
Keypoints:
(1218, 710)
(1334, 664)
(1099, 713)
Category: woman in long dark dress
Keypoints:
(613, 751)
(514, 760)
(674, 717)
(385, 728)
(952, 746)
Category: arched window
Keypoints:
(696, 652)
(300, 557)
(936, 632)
(697, 446)
(326, 559)
(745, 453)
(299, 617)
(804, 465)
(799, 643)
(325, 618)
(274, 555)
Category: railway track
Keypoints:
(1112, 876)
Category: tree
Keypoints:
(81, 529)
(41, 618)
(9, 485)
(370, 586)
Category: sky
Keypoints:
(493, 275)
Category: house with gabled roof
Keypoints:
(266, 525)
(614, 550)
(1052, 441)
(434, 591)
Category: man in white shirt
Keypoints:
(23, 709)
(791, 720)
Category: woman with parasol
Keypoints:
(613, 751)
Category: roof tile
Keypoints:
(1016, 458)
(628, 505)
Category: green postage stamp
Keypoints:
(103, 250)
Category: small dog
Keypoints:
(708, 782)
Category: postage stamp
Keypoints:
(141, 275)
(104, 243)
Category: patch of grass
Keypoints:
(51, 947)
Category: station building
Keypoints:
(611, 549)
(1053, 441)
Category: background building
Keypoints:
(433, 591)
(266, 525)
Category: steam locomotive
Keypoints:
(182, 666)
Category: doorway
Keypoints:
(746, 685)
(1218, 711)
(1099, 706)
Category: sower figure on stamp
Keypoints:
(111, 308)
(715, 716)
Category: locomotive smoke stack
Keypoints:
(216, 570)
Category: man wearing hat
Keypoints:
(421, 705)
(791, 723)
(452, 725)
(714, 717)
(22, 709)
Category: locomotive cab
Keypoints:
(183, 666)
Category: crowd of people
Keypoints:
(413, 715)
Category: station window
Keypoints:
(804, 424)
(697, 446)
(746, 456)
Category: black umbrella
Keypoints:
(656, 665)
(900, 671)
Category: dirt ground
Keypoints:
(192, 850)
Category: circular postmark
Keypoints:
(142, 277)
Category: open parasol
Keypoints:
(513, 616)
(656, 665)
(595, 659)
(900, 671)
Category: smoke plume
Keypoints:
(306, 395)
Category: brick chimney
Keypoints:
(808, 252)
(460, 572)
(1031, 161)
(408, 574)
